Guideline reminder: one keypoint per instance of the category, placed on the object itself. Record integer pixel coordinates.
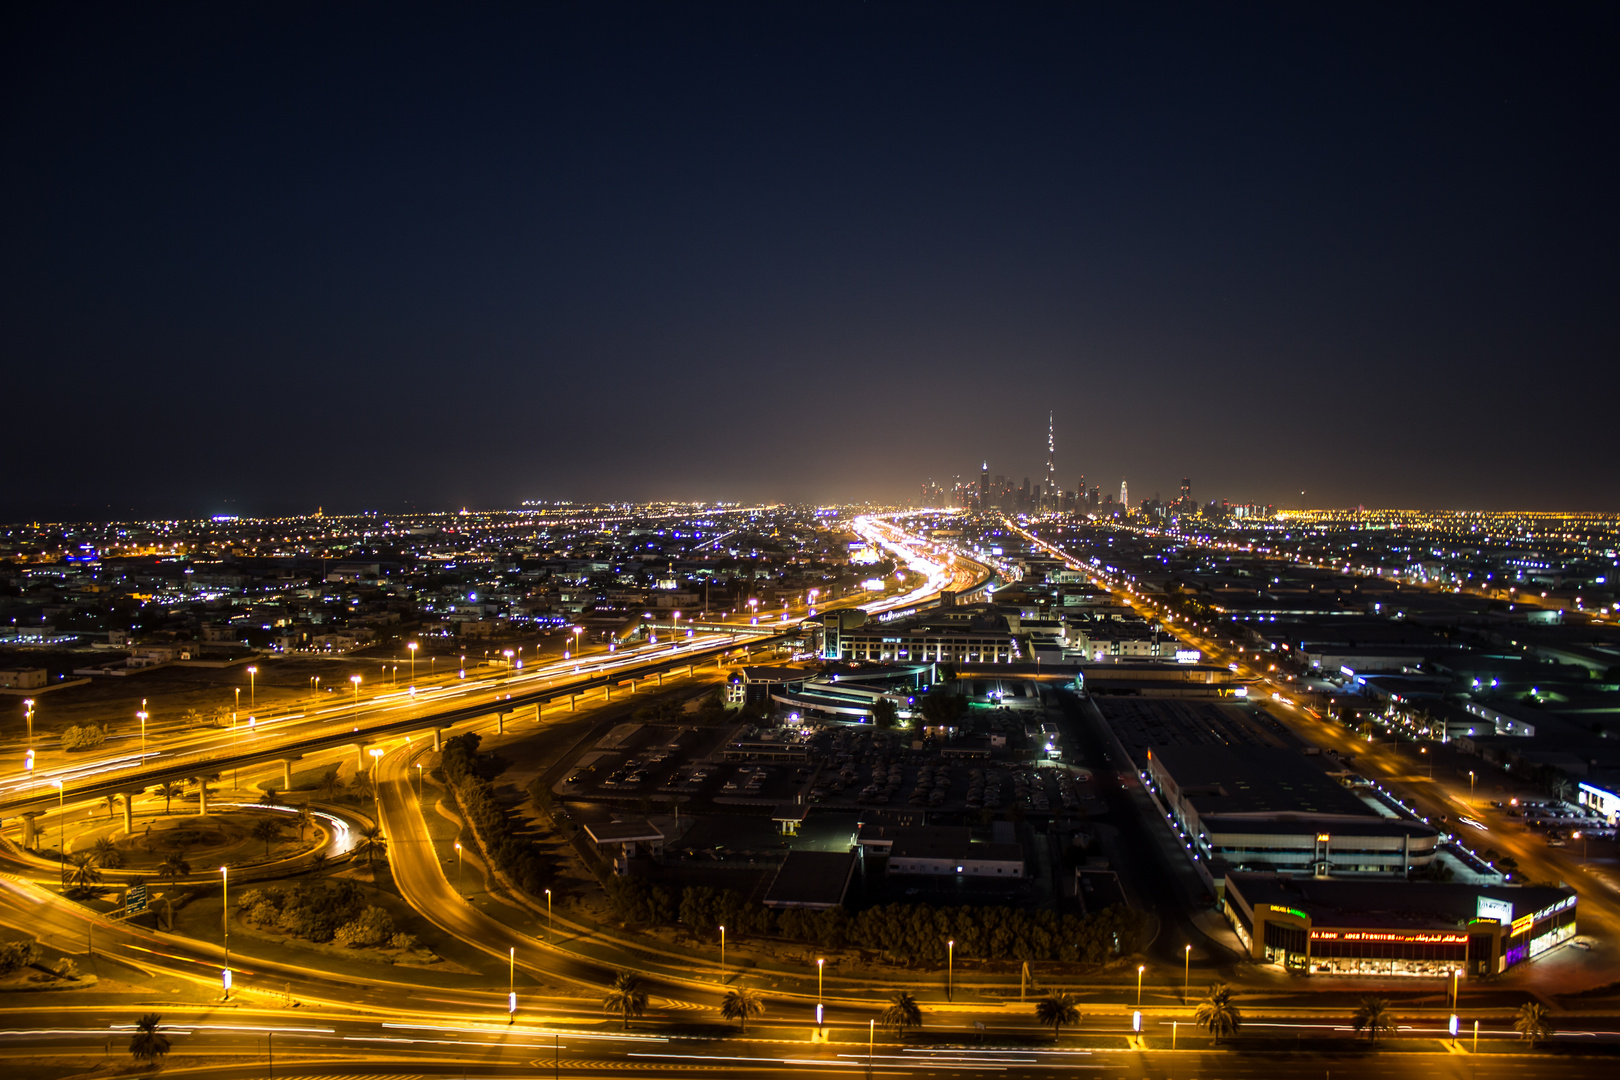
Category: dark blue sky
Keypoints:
(259, 258)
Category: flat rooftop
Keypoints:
(812, 879)
(1422, 905)
(1256, 780)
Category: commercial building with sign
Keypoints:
(1349, 927)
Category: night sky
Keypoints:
(260, 258)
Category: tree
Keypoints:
(168, 792)
(271, 797)
(330, 782)
(626, 997)
(174, 868)
(82, 873)
(885, 714)
(372, 927)
(360, 786)
(303, 819)
(371, 840)
(1532, 1021)
(266, 830)
(149, 1043)
(902, 1012)
(107, 854)
(16, 955)
(1055, 1009)
(1373, 1016)
(943, 708)
(740, 1004)
(1217, 1014)
(317, 862)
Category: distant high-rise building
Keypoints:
(1124, 495)
(1051, 454)
(984, 485)
(1186, 489)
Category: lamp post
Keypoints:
(1186, 971)
(511, 984)
(61, 830)
(551, 924)
(578, 630)
(821, 965)
(418, 781)
(28, 763)
(1470, 786)
(458, 867)
(253, 692)
(355, 679)
(950, 970)
(376, 785)
(236, 706)
(28, 715)
(142, 717)
(225, 926)
(412, 646)
(722, 954)
(1139, 969)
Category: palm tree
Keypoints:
(626, 997)
(360, 786)
(82, 874)
(901, 1013)
(330, 782)
(107, 854)
(168, 792)
(1372, 1015)
(371, 840)
(174, 868)
(271, 797)
(740, 1004)
(266, 830)
(1532, 1022)
(1217, 1014)
(1055, 1009)
(148, 1043)
(317, 862)
(303, 819)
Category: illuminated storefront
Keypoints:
(1420, 929)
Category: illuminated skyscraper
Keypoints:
(1124, 496)
(1051, 453)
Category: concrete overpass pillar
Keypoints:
(202, 798)
(573, 703)
(286, 774)
(30, 826)
(660, 678)
(500, 723)
(607, 693)
(360, 756)
(129, 812)
(438, 743)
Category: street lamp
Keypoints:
(28, 707)
(1139, 969)
(722, 953)
(412, 646)
(458, 867)
(356, 680)
(225, 926)
(253, 694)
(28, 763)
(821, 965)
(418, 781)
(511, 984)
(236, 707)
(1186, 971)
(578, 630)
(61, 830)
(1470, 785)
(142, 717)
(376, 784)
(950, 971)
(551, 924)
